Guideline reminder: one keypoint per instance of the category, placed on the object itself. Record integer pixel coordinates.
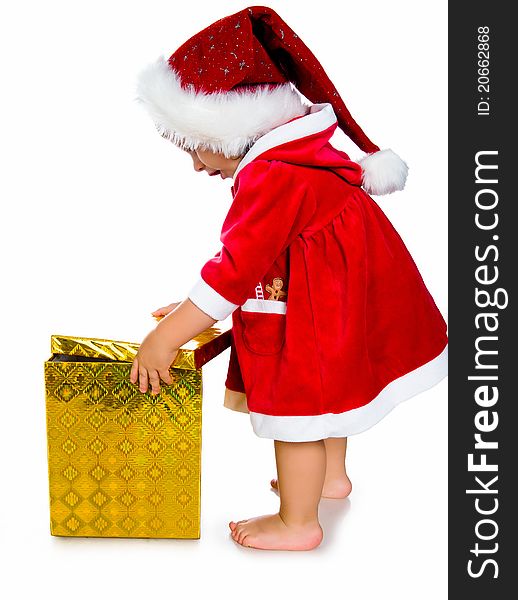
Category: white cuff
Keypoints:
(211, 302)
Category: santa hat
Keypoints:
(234, 81)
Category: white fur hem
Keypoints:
(210, 301)
(318, 427)
(227, 122)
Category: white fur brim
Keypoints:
(227, 122)
(384, 172)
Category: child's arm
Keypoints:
(160, 347)
(183, 323)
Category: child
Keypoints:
(333, 325)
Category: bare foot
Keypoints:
(270, 532)
(334, 488)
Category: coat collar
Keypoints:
(320, 117)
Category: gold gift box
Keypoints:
(123, 463)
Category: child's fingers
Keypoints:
(134, 371)
(165, 376)
(161, 311)
(165, 310)
(154, 381)
(144, 382)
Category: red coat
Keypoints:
(332, 322)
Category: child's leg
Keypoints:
(336, 483)
(301, 467)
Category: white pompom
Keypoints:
(384, 172)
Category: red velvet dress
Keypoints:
(333, 325)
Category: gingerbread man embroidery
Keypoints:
(275, 289)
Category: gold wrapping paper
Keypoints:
(122, 463)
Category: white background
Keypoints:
(103, 221)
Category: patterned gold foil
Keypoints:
(192, 355)
(122, 463)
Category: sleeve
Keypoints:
(271, 206)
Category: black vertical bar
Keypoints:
(483, 233)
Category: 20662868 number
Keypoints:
(483, 70)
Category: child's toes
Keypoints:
(233, 524)
(241, 533)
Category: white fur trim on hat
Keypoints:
(227, 122)
(384, 172)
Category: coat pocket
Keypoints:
(264, 325)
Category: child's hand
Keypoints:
(165, 310)
(152, 362)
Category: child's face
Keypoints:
(214, 163)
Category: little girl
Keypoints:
(332, 324)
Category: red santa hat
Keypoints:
(235, 80)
